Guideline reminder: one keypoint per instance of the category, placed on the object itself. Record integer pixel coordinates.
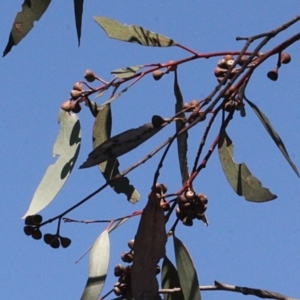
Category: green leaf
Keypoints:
(274, 135)
(126, 72)
(121, 144)
(170, 280)
(149, 248)
(23, 23)
(239, 176)
(109, 168)
(186, 271)
(133, 33)
(78, 10)
(67, 146)
(182, 138)
(99, 261)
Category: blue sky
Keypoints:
(247, 244)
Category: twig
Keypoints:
(232, 288)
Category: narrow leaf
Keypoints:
(109, 168)
(99, 261)
(23, 23)
(121, 144)
(170, 280)
(182, 138)
(186, 271)
(78, 10)
(149, 248)
(67, 146)
(274, 135)
(239, 176)
(126, 72)
(110, 100)
(133, 33)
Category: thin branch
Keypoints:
(233, 288)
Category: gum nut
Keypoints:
(202, 198)
(37, 234)
(131, 244)
(78, 86)
(157, 269)
(187, 221)
(230, 62)
(228, 106)
(48, 237)
(117, 291)
(75, 94)
(181, 199)
(157, 121)
(273, 75)
(190, 213)
(66, 105)
(37, 219)
(164, 188)
(89, 75)
(75, 107)
(55, 243)
(242, 60)
(200, 216)
(157, 74)
(119, 270)
(189, 194)
(228, 57)
(28, 230)
(180, 214)
(220, 72)
(65, 242)
(222, 63)
(29, 220)
(285, 58)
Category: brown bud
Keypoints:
(65, 242)
(285, 58)
(242, 60)
(157, 121)
(131, 244)
(78, 86)
(67, 106)
(190, 213)
(157, 74)
(202, 199)
(222, 63)
(228, 106)
(119, 270)
(75, 94)
(228, 57)
(181, 199)
(127, 257)
(28, 230)
(36, 234)
(220, 72)
(190, 194)
(157, 269)
(55, 243)
(75, 107)
(180, 214)
(117, 291)
(89, 75)
(187, 221)
(273, 74)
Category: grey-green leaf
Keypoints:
(109, 168)
(182, 138)
(170, 280)
(133, 33)
(67, 146)
(121, 144)
(99, 261)
(23, 23)
(126, 72)
(78, 10)
(186, 271)
(239, 176)
(149, 248)
(274, 135)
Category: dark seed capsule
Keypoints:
(55, 243)
(130, 244)
(187, 221)
(37, 234)
(37, 219)
(28, 230)
(65, 242)
(29, 220)
(119, 270)
(48, 237)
